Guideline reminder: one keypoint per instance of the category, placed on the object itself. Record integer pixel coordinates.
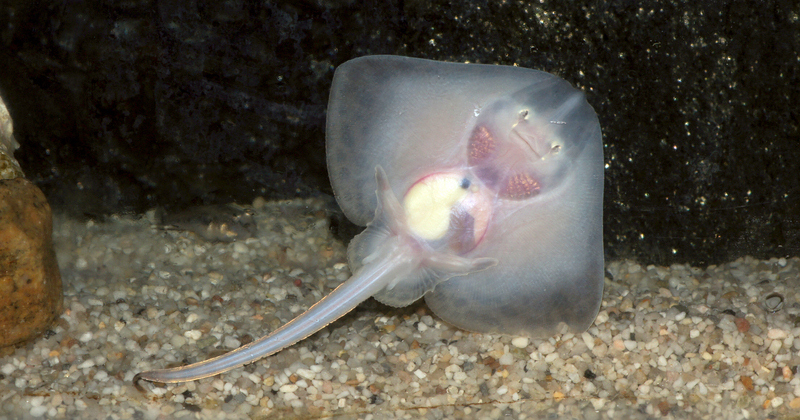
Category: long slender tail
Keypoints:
(369, 280)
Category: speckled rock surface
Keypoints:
(677, 342)
(30, 283)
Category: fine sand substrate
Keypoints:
(718, 342)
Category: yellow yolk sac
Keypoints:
(429, 202)
(447, 205)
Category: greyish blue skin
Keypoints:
(481, 187)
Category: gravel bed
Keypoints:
(719, 342)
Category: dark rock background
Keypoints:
(125, 105)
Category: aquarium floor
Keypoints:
(718, 342)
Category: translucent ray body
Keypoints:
(499, 174)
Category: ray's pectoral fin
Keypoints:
(434, 270)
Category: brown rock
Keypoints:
(742, 325)
(30, 283)
(664, 407)
(747, 382)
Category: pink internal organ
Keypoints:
(468, 223)
(496, 169)
(481, 145)
(519, 187)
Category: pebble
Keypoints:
(520, 342)
(289, 388)
(307, 373)
(588, 340)
(506, 359)
(7, 369)
(546, 348)
(742, 325)
(193, 334)
(87, 364)
(776, 334)
(38, 411)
